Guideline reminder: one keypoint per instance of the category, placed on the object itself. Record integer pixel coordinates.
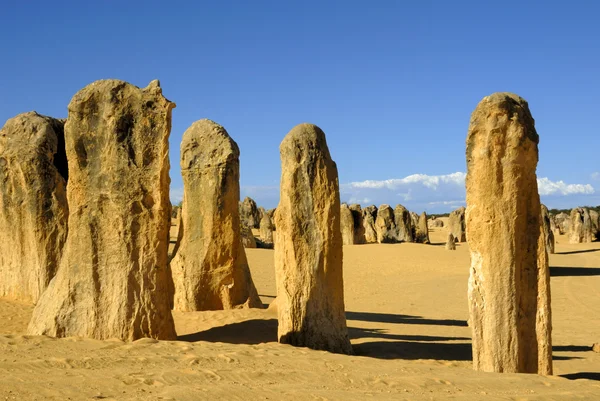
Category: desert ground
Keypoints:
(407, 316)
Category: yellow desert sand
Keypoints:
(407, 316)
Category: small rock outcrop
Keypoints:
(595, 222)
(580, 226)
(308, 255)
(435, 223)
(509, 283)
(346, 225)
(404, 226)
(210, 270)
(113, 280)
(422, 232)
(359, 228)
(266, 229)
(456, 224)
(563, 222)
(385, 225)
(33, 204)
(249, 213)
(546, 227)
(369, 217)
(248, 239)
(450, 243)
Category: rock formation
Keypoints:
(33, 204)
(266, 229)
(450, 243)
(359, 228)
(435, 223)
(509, 284)
(456, 224)
(249, 213)
(113, 279)
(563, 222)
(414, 219)
(385, 226)
(546, 227)
(346, 225)
(595, 222)
(308, 255)
(422, 232)
(248, 239)
(404, 225)
(580, 226)
(369, 216)
(210, 270)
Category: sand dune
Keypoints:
(407, 316)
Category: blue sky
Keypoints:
(391, 83)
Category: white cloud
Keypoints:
(448, 203)
(547, 187)
(429, 181)
(363, 201)
(596, 175)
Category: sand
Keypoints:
(407, 316)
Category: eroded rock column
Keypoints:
(113, 280)
(509, 283)
(210, 270)
(33, 204)
(308, 255)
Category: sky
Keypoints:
(391, 83)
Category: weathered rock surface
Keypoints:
(210, 270)
(266, 229)
(359, 229)
(369, 217)
(509, 284)
(546, 227)
(346, 225)
(385, 225)
(113, 280)
(450, 243)
(414, 218)
(422, 232)
(308, 255)
(404, 225)
(580, 226)
(33, 204)
(249, 213)
(456, 224)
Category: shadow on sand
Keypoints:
(574, 252)
(574, 271)
(582, 375)
(402, 319)
(253, 331)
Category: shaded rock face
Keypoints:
(404, 225)
(422, 233)
(359, 229)
(369, 215)
(346, 225)
(308, 255)
(509, 283)
(249, 213)
(385, 225)
(266, 229)
(210, 270)
(580, 226)
(113, 280)
(547, 230)
(456, 224)
(414, 218)
(33, 204)
(450, 243)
